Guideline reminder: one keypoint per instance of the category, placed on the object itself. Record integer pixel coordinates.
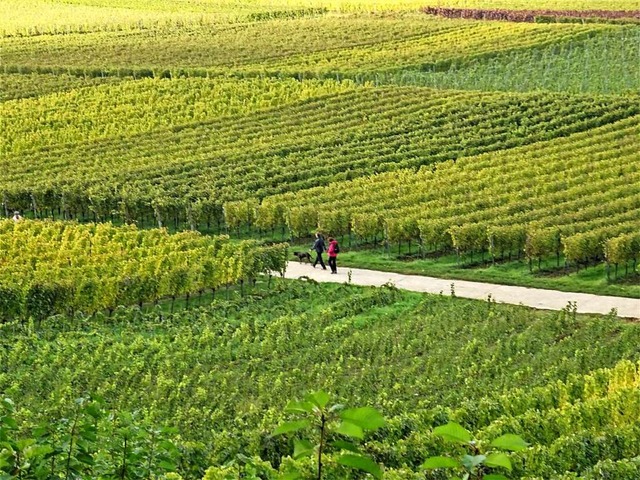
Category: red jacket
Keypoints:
(332, 249)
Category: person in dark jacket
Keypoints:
(319, 247)
(333, 254)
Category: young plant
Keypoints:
(479, 462)
(89, 444)
(331, 422)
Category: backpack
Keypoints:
(336, 249)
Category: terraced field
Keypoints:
(536, 199)
(308, 47)
(287, 148)
(578, 66)
(175, 151)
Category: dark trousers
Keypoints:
(332, 264)
(319, 260)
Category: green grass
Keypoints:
(232, 293)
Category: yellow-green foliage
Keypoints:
(132, 108)
(222, 375)
(478, 201)
(54, 267)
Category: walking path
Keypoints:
(530, 297)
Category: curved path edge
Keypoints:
(531, 297)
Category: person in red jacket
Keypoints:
(333, 251)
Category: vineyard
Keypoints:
(504, 203)
(53, 268)
(578, 67)
(537, 16)
(38, 17)
(190, 170)
(199, 124)
(161, 160)
(222, 374)
(545, 173)
(359, 47)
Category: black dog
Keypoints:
(302, 256)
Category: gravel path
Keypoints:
(531, 297)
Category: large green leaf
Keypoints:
(498, 459)
(24, 443)
(168, 465)
(495, 476)
(319, 399)
(299, 407)
(85, 458)
(302, 448)
(242, 458)
(440, 462)
(350, 430)
(453, 432)
(472, 461)
(360, 462)
(93, 409)
(511, 442)
(169, 446)
(8, 445)
(289, 427)
(37, 451)
(9, 423)
(367, 418)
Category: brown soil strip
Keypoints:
(532, 15)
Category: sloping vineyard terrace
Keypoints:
(34, 85)
(24, 18)
(331, 46)
(207, 46)
(186, 173)
(40, 17)
(128, 108)
(61, 268)
(461, 43)
(573, 196)
(531, 15)
(540, 4)
(581, 66)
